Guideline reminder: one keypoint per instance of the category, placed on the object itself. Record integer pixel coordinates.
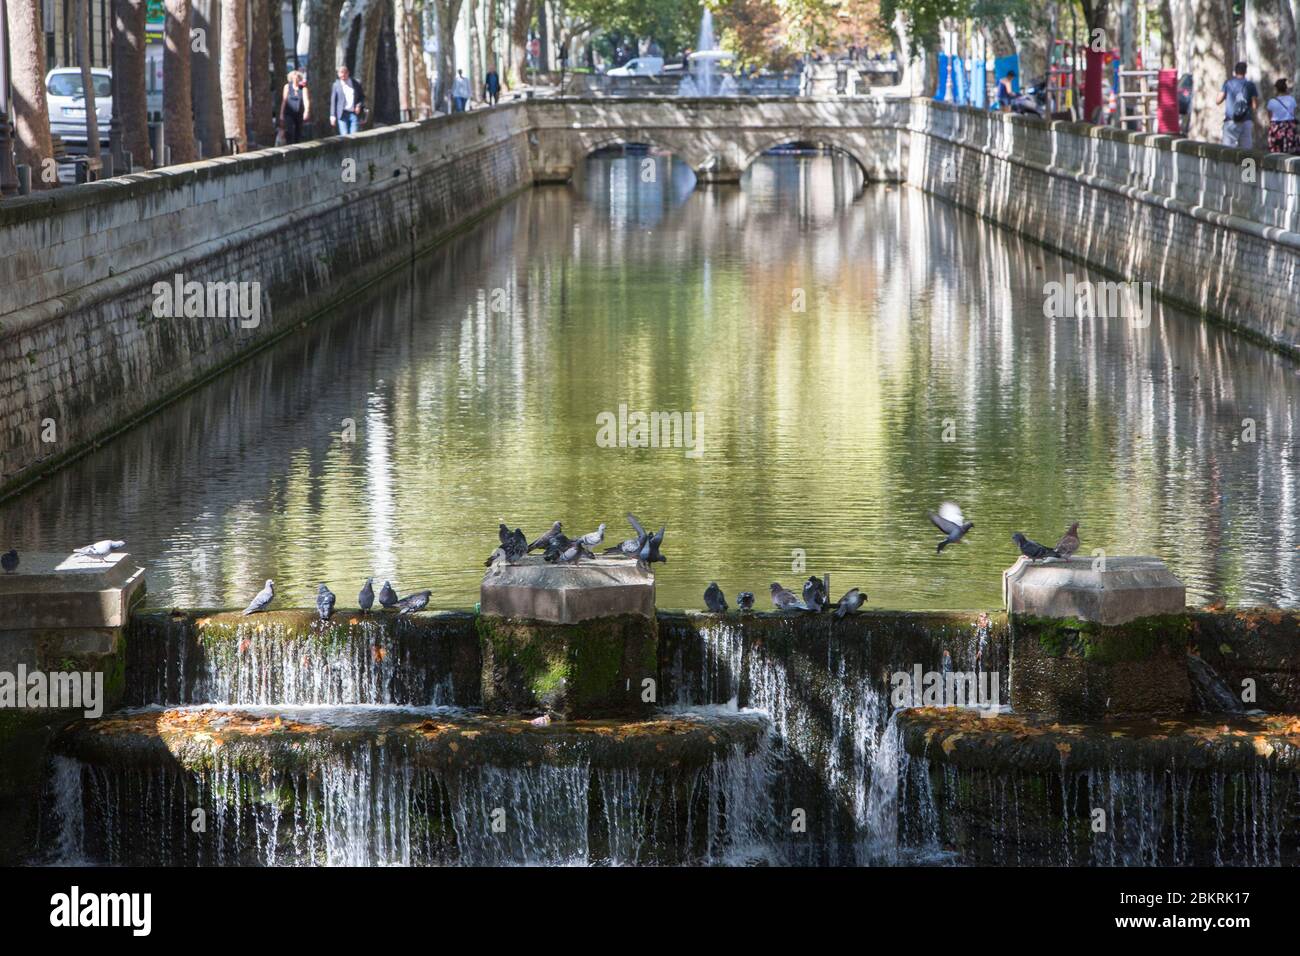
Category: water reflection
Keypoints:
(830, 337)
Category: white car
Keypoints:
(66, 101)
(639, 66)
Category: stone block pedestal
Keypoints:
(568, 593)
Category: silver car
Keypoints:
(66, 100)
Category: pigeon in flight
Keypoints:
(366, 599)
(814, 594)
(100, 549)
(413, 602)
(1069, 542)
(263, 598)
(325, 602)
(949, 520)
(592, 538)
(632, 546)
(9, 561)
(545, 540)
(514, 544)
(785, 600)
(387, 596)
(714, 599)
(1032, 549)
(850, 603)
(745, 600)
(649, 553)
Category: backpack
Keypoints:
(1239, 103)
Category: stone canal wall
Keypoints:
(1214, 230)
(286, 232)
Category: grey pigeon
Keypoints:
(263, 598)
(325, 602)
(649, 553)
(593, 538)
(496, 557)
(814, 594)
(632, 546)
(546, 539)
(785, 600)
(949, 520)
(366, 599)
(556, 547)
(387, 596)
(516, 545)
(413, 602)
(850, 603)
(1032, 549)
(574, 551)
(9, 561)
(1069, 542)
(714, 599)
(745, 600)
(100, 549)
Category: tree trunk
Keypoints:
(1270, 43)
(475, 55)
(261, 121)
(178, 116)
(205, 76)
(323, 22)
(523, 19)
(1168, 35)
(372, 25)
(412, 78)
(27, 64)
(490, 34)
(447, 13)
(234, 73)
(1211, 64)
(81, 12)
(128, 71)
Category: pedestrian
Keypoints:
(1282, 136)
(1007, 91)
(347, 103)
(492, 84)
(1242, 99)
(295, 106)
(459, 92)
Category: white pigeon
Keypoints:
(100, 549)
(263, 598)
(593, 538)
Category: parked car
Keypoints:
(66, 99)
(639, 66)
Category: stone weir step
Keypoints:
(381, 785)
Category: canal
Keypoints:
(847, 357)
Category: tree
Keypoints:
(261, 122)
(178, 122)
(82, 31)
(322, 58)
(446, 13)
(128, 74)
(523, 19)
(234, 73)
(27, 63)
(205, 76)
(413, 94)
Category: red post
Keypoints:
(1092, 102)
(1167, 102)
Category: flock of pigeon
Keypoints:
(557, 547)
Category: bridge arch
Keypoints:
(812, 139)
(694, 157)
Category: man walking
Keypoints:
(347, 102)
(1242, 98)
(492, 84)
(459, 92)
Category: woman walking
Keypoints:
(295, 106)
(1282, 137)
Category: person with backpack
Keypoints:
(1282, 137)
(1242, 99)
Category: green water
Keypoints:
(823, 430)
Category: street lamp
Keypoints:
(8, 171)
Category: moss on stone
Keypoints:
(1136, 640)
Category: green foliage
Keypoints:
(924, 19)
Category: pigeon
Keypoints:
(100, 549)
(785, 600)
(593, 538)
(714, 599)
(263, 598)
(1032, 549)
(745, 600)
(387, 596)
(574, 551)
(516, 545)
(366, 599)
(649, 553)
(496, 557)
(325, 602)
(949, 520)
(413, 602)
(9, 561)
(814, 594)
(1069, 543)
(556, 547)
(632, 546)
(544, 541)
(851, 601)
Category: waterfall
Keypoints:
(1213, 695)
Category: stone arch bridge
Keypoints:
(717, 137)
